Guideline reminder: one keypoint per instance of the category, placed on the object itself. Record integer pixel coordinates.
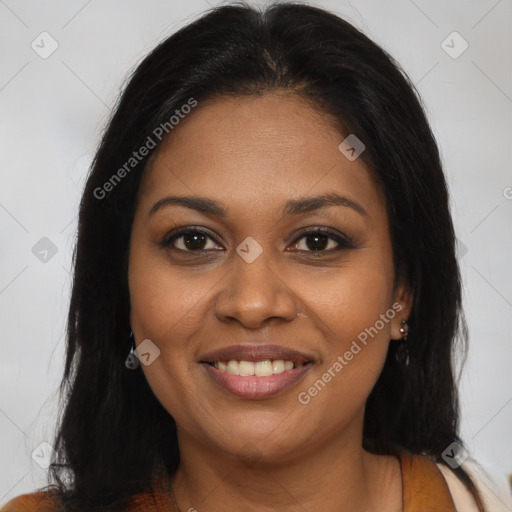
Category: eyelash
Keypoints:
(343, 242)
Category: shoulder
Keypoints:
(40, 501)
(494, 492)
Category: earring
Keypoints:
(132, 361)
(404, 329)
(402, 349)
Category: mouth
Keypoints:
(264, 368)
(256, 371)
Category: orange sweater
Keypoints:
(424, 488)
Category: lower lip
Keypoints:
(257, 387)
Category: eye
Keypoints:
(317, 241)
(189, 239)
(323, 240)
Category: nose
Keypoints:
(253, 293)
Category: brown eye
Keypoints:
(189, 240)
(323, 240)
(316, 242)
(193, 241)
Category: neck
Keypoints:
(317, 479)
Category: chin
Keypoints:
(261, 440)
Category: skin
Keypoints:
(253, 155)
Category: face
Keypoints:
(299, 290)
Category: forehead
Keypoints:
(254, 151)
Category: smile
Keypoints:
(245, 383)
(264, 368)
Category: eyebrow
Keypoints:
(292, 207)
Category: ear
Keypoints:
(402, 304)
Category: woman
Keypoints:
(266, 296)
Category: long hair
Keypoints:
(113, 432)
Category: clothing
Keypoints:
(424, 489)
(492, 484)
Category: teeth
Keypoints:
(263, 368)
(259, 368)
(278, 366)
(233, 367)
(288, 365)
(246, 368)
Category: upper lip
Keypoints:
(255, 353)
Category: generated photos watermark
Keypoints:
(304, 397)
(150, 143)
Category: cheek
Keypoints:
(165, 303)
(352, 300)
(355, 310)
(164, 308)
(358, 339)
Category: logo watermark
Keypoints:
(351, 147)
(455, 455)
(454, 45)
(147, 352)
(44, 45)
(43, 454)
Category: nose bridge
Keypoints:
(254, 263)
(252, 268)
(253, 291)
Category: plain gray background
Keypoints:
(52, 112)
